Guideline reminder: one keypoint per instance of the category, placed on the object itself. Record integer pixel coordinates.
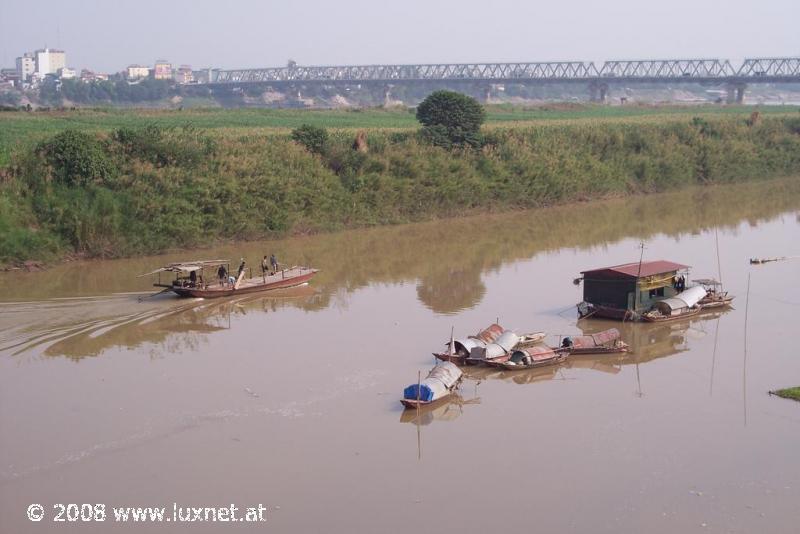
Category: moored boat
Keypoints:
(491, 343)
(459, 349)
(684, 304)
(715, 297)
(535, 356)
(607, 341)
(442, 381)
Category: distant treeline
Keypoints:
(101, 91)
(145, 189)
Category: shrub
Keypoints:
(77, 158)
(451, 119)
(314, 138)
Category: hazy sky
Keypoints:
(107, 35)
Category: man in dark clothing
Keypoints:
(193, 278)
(222, 274)
(274, 262)
(264, 268)
(241, 269)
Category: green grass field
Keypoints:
(20, 129)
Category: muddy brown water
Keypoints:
(291, 399)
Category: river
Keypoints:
(290, 399)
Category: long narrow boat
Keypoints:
(474, 349)
(459, 349)
(188, 283)
(501, 349)
(605, 342)
(682, 305)
(531, 357)
(441, 382)
(715, 297)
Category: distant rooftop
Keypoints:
(648, 268)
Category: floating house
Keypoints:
(628, 291)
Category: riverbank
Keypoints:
(148, 189)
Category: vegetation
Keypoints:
(103, 92)
(314, 138)
(145, 187)
(451, 119)
(788, 393)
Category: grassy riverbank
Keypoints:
(151, 188)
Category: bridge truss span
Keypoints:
(668, 69)
(555, 70)
(770, 66)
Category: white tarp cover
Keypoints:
(685, 299)
(440, 380)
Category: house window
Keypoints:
(659, 292)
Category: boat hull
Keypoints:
(413, 404)
(217, 292)
(666, 318)
(559, 357)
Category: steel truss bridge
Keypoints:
(703, 71)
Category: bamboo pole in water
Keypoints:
(744, 365)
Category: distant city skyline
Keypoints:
(245, 33)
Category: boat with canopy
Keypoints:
(192, 280)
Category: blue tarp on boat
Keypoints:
(440, 380)
(425, 392)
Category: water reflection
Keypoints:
(448, 409)
(78, 328)
(647, 342)
(447, 260)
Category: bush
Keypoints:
(314, 138)
(77, 159)
(451, 119)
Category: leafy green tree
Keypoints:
(77, 158)
(314, 138)
(451, 119)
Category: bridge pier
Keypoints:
(598, 92)
(736, 93)
(486, 93)
(387, 95)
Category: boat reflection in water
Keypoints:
(79, 328)
(647, 341)
(448, 409)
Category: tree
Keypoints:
(77, 158)
(451, 119)
(314, 138)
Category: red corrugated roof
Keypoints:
(648, 268)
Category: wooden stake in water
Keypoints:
(419, 422)
(744, 366)
(719, 268)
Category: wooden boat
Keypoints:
(605, 342)
(188, 283)
(458, 349)
(442, 381)
(487, 351)
(500, 350)
(715, 296)
(682, 305)
(531, 357)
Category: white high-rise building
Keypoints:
(26, 66)
(49, 61)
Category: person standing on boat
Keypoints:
(241, 269)
(222, 274)
(274, 263)
(264, 268)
